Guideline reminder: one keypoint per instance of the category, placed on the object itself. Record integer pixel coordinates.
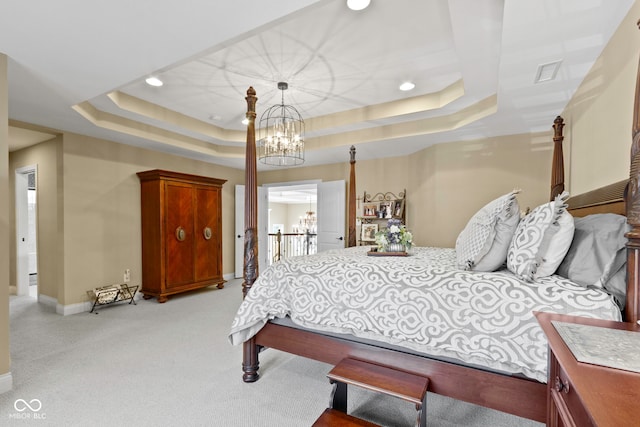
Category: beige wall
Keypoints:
(446, 183)
(288, 214)
(89, 211)
(5, 359)
(279, 214)
(295, 211)
(102, 210)
(599, 116)
(452, 181)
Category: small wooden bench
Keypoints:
(382, 379)
(332, 418)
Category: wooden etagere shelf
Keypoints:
(376, 209)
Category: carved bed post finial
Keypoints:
(250, 271)
(352, 198)
(557, 167)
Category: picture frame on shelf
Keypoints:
(385, 209)
(368, 232)
(369, 210)
(398, 208)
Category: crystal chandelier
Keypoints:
(308, 222)
(281, 137)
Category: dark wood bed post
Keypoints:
(557, 167)
(250, 270)
(632, 193)
(352, 198)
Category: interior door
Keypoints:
(263, 232)
(206, 234)
(179, 256)
(331, 215)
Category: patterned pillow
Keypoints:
(482, 245)
(541, 240)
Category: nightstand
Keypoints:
(583, 394)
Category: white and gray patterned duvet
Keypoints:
(421, 302)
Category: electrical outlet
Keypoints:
(127, 275)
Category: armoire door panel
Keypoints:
(179, 235)
(207, 236)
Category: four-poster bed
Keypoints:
(513, 394)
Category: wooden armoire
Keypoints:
(181, 232)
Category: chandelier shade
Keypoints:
(281, 134)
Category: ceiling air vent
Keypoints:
(547, 72)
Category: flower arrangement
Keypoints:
(395, 237)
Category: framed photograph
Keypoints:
(385, 209)
(398, 208)
(369, 232)
(369, 210)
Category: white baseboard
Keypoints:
(6, 382)
(65, 310)
(229, 276)
(69, 309)
(48, 301)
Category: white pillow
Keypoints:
(482, 245)
(541, 240)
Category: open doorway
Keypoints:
(26, 231)
(292, 220)
(322, 203)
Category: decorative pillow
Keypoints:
(541, 240)
(482, 245)
(597, 256)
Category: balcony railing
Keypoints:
(286, 245)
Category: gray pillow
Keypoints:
(597, 256)
(482, 245)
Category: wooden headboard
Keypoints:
(608, 199)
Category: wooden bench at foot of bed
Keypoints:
(379, 379)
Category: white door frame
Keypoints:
(22, 226)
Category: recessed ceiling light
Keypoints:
(407, 86)
(358, 4)
(245, 121)
(154, 81)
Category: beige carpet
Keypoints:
(171, 365)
